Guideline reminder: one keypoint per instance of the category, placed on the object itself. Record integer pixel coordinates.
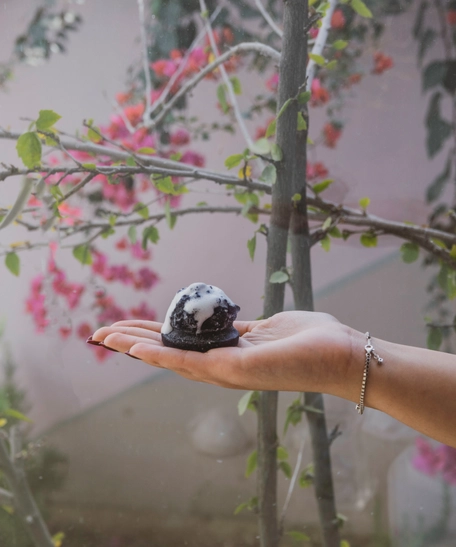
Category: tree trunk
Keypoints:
(303, 298)
(291, 78)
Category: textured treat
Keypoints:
(199, 318)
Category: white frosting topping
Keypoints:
(202, 303)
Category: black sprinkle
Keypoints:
(208, 292)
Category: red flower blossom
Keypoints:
(382, 62)
(338, 20)
(316, 170)
(451, 17)
(273, 82)
(143, 312)
(320, 95)
(84, 331)
(331, 133)
(180, 137)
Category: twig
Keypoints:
(76, 188)
(268, 18)
(145, 59)
(320, 41)
(226, 80)
(293, 480)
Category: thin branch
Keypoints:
(293, 480)
(76, 188)
(245, 47)
(145, 58)
(268, 18)
(226, 80)
(320, 41)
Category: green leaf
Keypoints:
(244, 402)
(335, 232)
(364, 203)
(89, 166)
(271, 129)
(436, 188)
(252, 462)
(28, 148)
(306, 477)
(132, 235)
(439, 130)
(234, 160)
(368, 240)
(320, 186)
(56, 192)
(237, 88)
(13, 263)
(285, 105)
(94, 136)
(318, 59)
(296, 198)
(112, 220)
(151, 234)
(12, 413)
(410, 252)
(301, 124)
(251, 246)
(434, 74)
(19, 204)
(269, 174)
(298, 536)
(361, 9)
(165, 185)
(326, 243)
(326, 224)
(107, 232)
(344, 543)
(331, 65)
(251, 505)
(46, 119)
(304, 97)
(282, 453)
(340, 44)
(261, 146)
(221, 96)
(286, 468)
(294, 414)
(142, 210)
(279, 277)
(171, 218)
(201, 204)
(146, 150)
(130, 162)
(83, 254)
(446, 279)
(276, 152)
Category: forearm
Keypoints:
(414, 385)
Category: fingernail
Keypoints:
(106, 347)
(132, 356)
(93, 342)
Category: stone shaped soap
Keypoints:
(199, 318)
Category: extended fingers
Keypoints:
(101, 334)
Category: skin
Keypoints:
(309, 351)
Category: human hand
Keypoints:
(291, 351)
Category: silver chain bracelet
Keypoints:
(369, 349)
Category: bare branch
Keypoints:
(268, 18)
(320, 41)
(145, 58)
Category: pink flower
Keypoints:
(64, 332)
(84, 331)
(193, 158)
(143, 312)
(180, 137)
(138, 252)
(273, 82)
(313, 32)
(145, 279)
(427, 459)
(70, 215)
(448, 459)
